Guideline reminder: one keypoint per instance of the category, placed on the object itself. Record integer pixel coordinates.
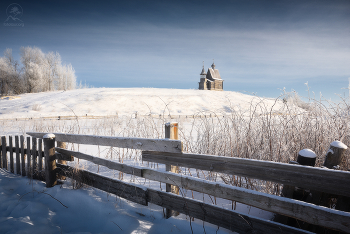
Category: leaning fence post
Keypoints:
(50, 160)
(171, 132)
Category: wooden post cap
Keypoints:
(307, 157)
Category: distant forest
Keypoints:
(35, 72)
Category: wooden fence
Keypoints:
(169, 152)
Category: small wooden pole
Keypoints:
(28, 159)
(18, 162)
(34, 155)
(64, 162)
(50, 160)
(4, 154)
(12, 168)
(23, 156)
(171, 132)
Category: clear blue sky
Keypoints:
(258, 46)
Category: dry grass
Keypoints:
(262, 133)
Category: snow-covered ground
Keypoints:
(28, 207)
(127, 101)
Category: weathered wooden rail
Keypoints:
(169, 152)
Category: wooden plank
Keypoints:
(232, 220)
(34, 157)
(103, 162)
(23, 167)
(12, 168)
(18, 161)
(335, 182)
(64, 157)
(29, 166)
(131, 192)
(4, 154)
(163, 145)
(310, 213)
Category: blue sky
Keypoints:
(258, 46)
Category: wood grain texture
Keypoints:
(122, 189)
(229, 219)
(50, 162)
(103, 162)
(163, 145)
(310, 213)
(335, 182)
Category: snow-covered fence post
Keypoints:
(335, 160)
(335, 155)
(64, 162)
(50, 160)
(171, 132)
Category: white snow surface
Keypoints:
(29, 207)
(339, 144)
(307, 153)
(127, 101)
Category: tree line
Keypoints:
(35, 72)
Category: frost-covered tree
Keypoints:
(37, 72)
(10, 75)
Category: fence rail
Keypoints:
(329, 181)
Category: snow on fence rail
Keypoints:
(329, 181)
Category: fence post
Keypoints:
(171, 132)
(50, 160)
(23, 158)
(335, 160)
(34, 161)
(335, 155)
(29, 162)
(64, 162)
(4, 156)
(12, 168)
(18, 161)
(306, 157)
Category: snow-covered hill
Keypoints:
(127, 101)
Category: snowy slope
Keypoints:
(126, 101)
